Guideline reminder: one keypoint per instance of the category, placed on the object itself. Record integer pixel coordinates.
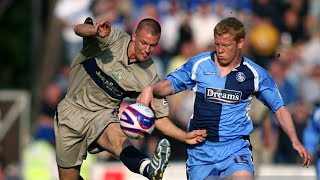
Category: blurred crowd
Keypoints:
(282, 37)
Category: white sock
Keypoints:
(143, 165)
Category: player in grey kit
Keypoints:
(111, 66)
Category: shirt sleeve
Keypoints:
(268, 92)
(181, 78)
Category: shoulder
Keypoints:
(116, 34)
(255, 68)
(199, 58)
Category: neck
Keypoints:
(131, 53)
(227, 68)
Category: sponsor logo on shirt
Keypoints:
(209, 73)
(223, 95)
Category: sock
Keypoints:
(144, 167)
(134, 160)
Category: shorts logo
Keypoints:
(223, 95)
(164, 101)
(117, 74)
(240, 76)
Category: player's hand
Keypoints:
(304, 154)
(196, 136)
(146, 97)
(103, 28)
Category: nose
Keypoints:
(148, 48)
(219, 48)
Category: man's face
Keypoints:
(144, 44)
(227, 48)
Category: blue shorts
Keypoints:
(219, 159)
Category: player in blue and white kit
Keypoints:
(311, 137)
(224, 83)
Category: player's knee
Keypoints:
(242, 173)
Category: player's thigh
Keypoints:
(240, 175)
(69, 173)
(199, 172)
(113, 139)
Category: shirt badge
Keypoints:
(240, 76)
(117, 74)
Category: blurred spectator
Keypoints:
(293, 26)
(264, 39)
(202, 22)
(171, 22)
(51, 96)
(181, 105)
(313, 17)
(109, 10)
(310, 86)
(262, 136)
(185, 31)
(284, 153)
(311, 136)
(69, 13)
(61, 78)
(38, 158)
(278, 69)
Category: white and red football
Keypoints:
(137, 121)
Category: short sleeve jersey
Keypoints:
(102, 76)
(222, 103)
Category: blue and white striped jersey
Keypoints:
(222, 104)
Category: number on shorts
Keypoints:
(241, 159)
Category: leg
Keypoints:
(242, 174)
(114, 141)
(69, 173)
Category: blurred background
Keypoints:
(38, 45)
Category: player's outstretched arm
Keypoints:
(161, 88)
(101, 29)
(168, 128)
(286, 123)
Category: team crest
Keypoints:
(240, 76)
(117, 74)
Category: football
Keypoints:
(137, 121)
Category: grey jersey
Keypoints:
(101, 75)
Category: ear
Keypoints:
(241, 43)
(134, 35)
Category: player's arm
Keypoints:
(101, 29)
(168, 128)
(286, 123)
(161, 88)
